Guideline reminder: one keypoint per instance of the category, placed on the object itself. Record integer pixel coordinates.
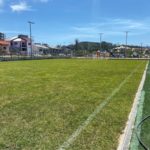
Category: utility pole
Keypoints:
(141, 46)
(100, 44)
(141, 49)
(126, 42)
(30, 26)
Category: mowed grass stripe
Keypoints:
(75, 134)
(43, 102)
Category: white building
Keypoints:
(40, 49)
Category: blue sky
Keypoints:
(63, 21)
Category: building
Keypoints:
(40, 49)
(4, 45)
(2, 36)
(104, 54)
(20, 44)
(56, 51)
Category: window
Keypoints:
(24, 49)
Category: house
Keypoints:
(20, 44)
(4, 45)
(121, 51)
(40, 49)
(45, 49)
(56, 50)
(104, 54)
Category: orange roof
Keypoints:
(4, 43)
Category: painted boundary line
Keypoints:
(124, 141)
(77, 132)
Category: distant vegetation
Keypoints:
(86, 48)
(81, 48)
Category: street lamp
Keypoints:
(30, 24)
(100, 44)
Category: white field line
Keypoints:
(76, 133)
(124, 140)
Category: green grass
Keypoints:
(43, 102)
(145, 130)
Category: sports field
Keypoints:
(66, 104)
(145, 128)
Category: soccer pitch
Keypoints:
(71, 104)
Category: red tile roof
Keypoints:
(4, 43)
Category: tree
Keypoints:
(76, 44)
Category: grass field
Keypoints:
(42, 103)
(145, 130)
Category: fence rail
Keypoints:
(20, 57)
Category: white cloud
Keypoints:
(114, 27)
(22, 6)
(130, 24)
